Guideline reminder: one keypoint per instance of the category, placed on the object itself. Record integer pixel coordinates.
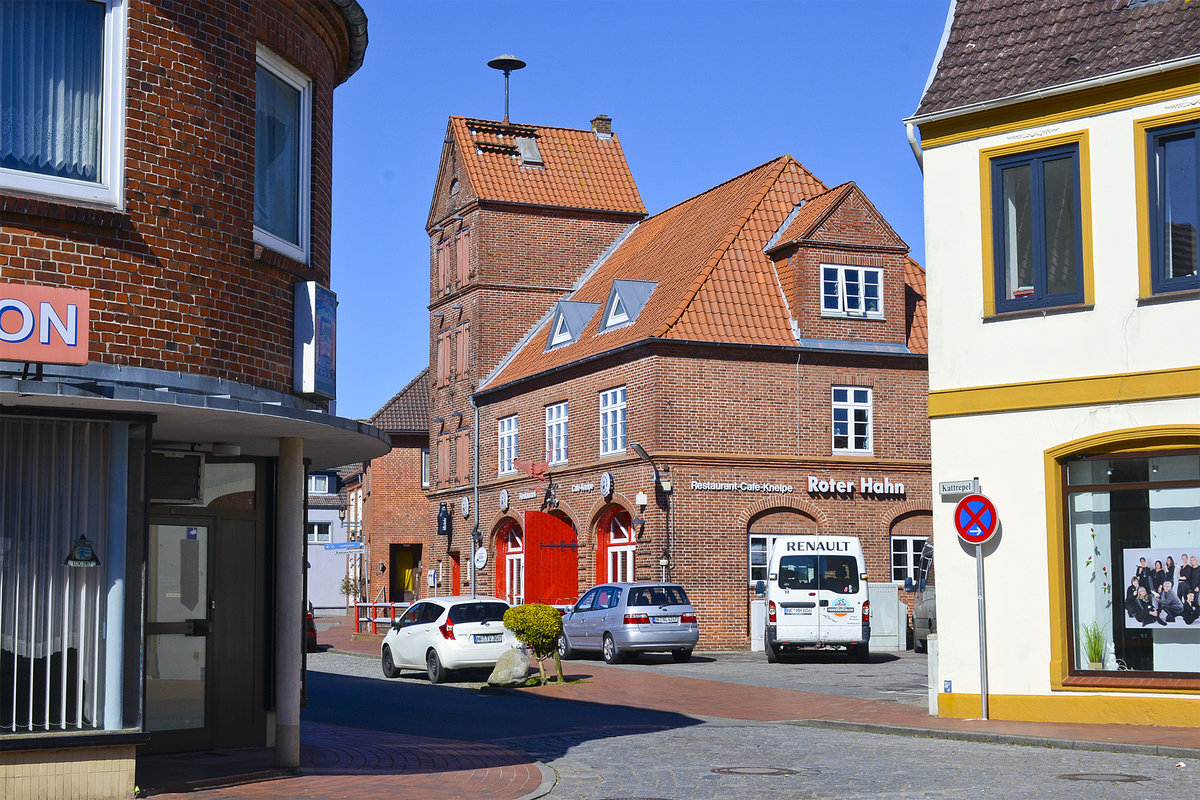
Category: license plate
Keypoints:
(794, 610)
(665, 620)
(487, 638)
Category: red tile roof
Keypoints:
(714, 282)
(918, 318)
(579, 169)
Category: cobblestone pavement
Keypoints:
(727, 759)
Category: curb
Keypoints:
(549, 778)
(999, 738)
(338, 652)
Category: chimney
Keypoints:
(602, 126)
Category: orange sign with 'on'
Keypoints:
(43, 324)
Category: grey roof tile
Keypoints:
(408, 411)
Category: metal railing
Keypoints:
(369, 616)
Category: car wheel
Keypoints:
(611, 654)
(564, 647)
(433, 666)
(681, 655)
(772, 654)
(389, 666)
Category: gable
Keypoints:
(625, 301)
(452, 189)
(569, 319)
(855, 221)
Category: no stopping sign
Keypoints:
(975, 519)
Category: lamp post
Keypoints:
(662, 480)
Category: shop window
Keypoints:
(69, 556)
(851, 291)
(65, 141)
(1132, 539)
(1036, 207)
(282, 145)
(612, 421)
(318, 532)
(556, 432)
(1173, 193)
(906, 557)
(506, 445)
(851, 411)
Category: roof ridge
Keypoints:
(757, 197)
(510, 124)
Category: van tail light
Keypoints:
(447, 630)
(686, 618)
(866, 613)
(637, 619)
(771, 612)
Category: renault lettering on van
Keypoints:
(819, 546)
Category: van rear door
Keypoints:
(840, 600)
(796, 617)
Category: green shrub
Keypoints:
(538, 627)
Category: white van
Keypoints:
(816, 595)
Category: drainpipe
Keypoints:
(915, 145)
(475, 500)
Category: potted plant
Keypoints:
(1094, 641)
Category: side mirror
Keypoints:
(398, 623)
(908, 585)
(760, 588)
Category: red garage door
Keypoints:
(551, 560)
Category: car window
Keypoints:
(604, 597)
(585, 604)
(798, 572)
(431, 612)
(478, 612)
(614, 597)
(410, 617)
(658, 596)
(839, 574)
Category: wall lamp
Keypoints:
(341, 513)
(661, 477)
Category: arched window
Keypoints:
(510, 552)
(618, 545)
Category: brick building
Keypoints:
(166, 372)
(762, 343)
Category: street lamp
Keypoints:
(663, 479)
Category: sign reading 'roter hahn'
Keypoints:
(43, 324)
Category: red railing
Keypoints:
(369, 616)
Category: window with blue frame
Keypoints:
(1037, 229)
(1174, 189)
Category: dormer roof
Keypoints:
(843, 215)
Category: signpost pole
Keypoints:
(983, 677)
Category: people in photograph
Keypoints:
(1157, 576)
(1131, 596)
(1189, 573)
(1146, 614)
(1191, 607)
(1143, 574)
(1169, 604)
(1170, 570)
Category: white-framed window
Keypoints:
(851, 407)
(906, 556)
(282, 153)
(514, 568)
(612, 421)
(851, 291)
(621, 549)
(318, 532)
(556, 433)
(506, 444)
(758, 558)
(424, 467)
(62, 99)
(318, 484)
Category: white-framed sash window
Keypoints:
(612, 421)
(506, 445)
(282, 156)
(556, 433)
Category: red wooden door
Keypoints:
(551, 560)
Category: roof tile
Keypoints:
(408, 410)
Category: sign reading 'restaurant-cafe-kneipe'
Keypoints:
(43, 324)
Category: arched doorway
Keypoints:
(762, 532)
(510, 562)
(615, 546)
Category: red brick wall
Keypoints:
(395, 508)
(175, 279)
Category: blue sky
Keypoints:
(698, 92)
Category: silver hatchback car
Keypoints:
(621, 619)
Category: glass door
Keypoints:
(177, 632)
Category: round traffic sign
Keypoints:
(975, 519)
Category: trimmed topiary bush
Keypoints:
(538, 627)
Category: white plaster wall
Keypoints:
(1114, 337)
(1006, 452)
(327, 567)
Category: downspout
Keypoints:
(915, 144)
(475, 500)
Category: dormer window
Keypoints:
(851, 291)
(625, 301)
(569, 320)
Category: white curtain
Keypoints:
(51, 67)
(277, 158)
(54, 475)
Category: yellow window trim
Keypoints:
(986, 156)
(1128, 387)
(1063, 108)
(1156, 437)
(1141, 158)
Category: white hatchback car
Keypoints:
(442, 634)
